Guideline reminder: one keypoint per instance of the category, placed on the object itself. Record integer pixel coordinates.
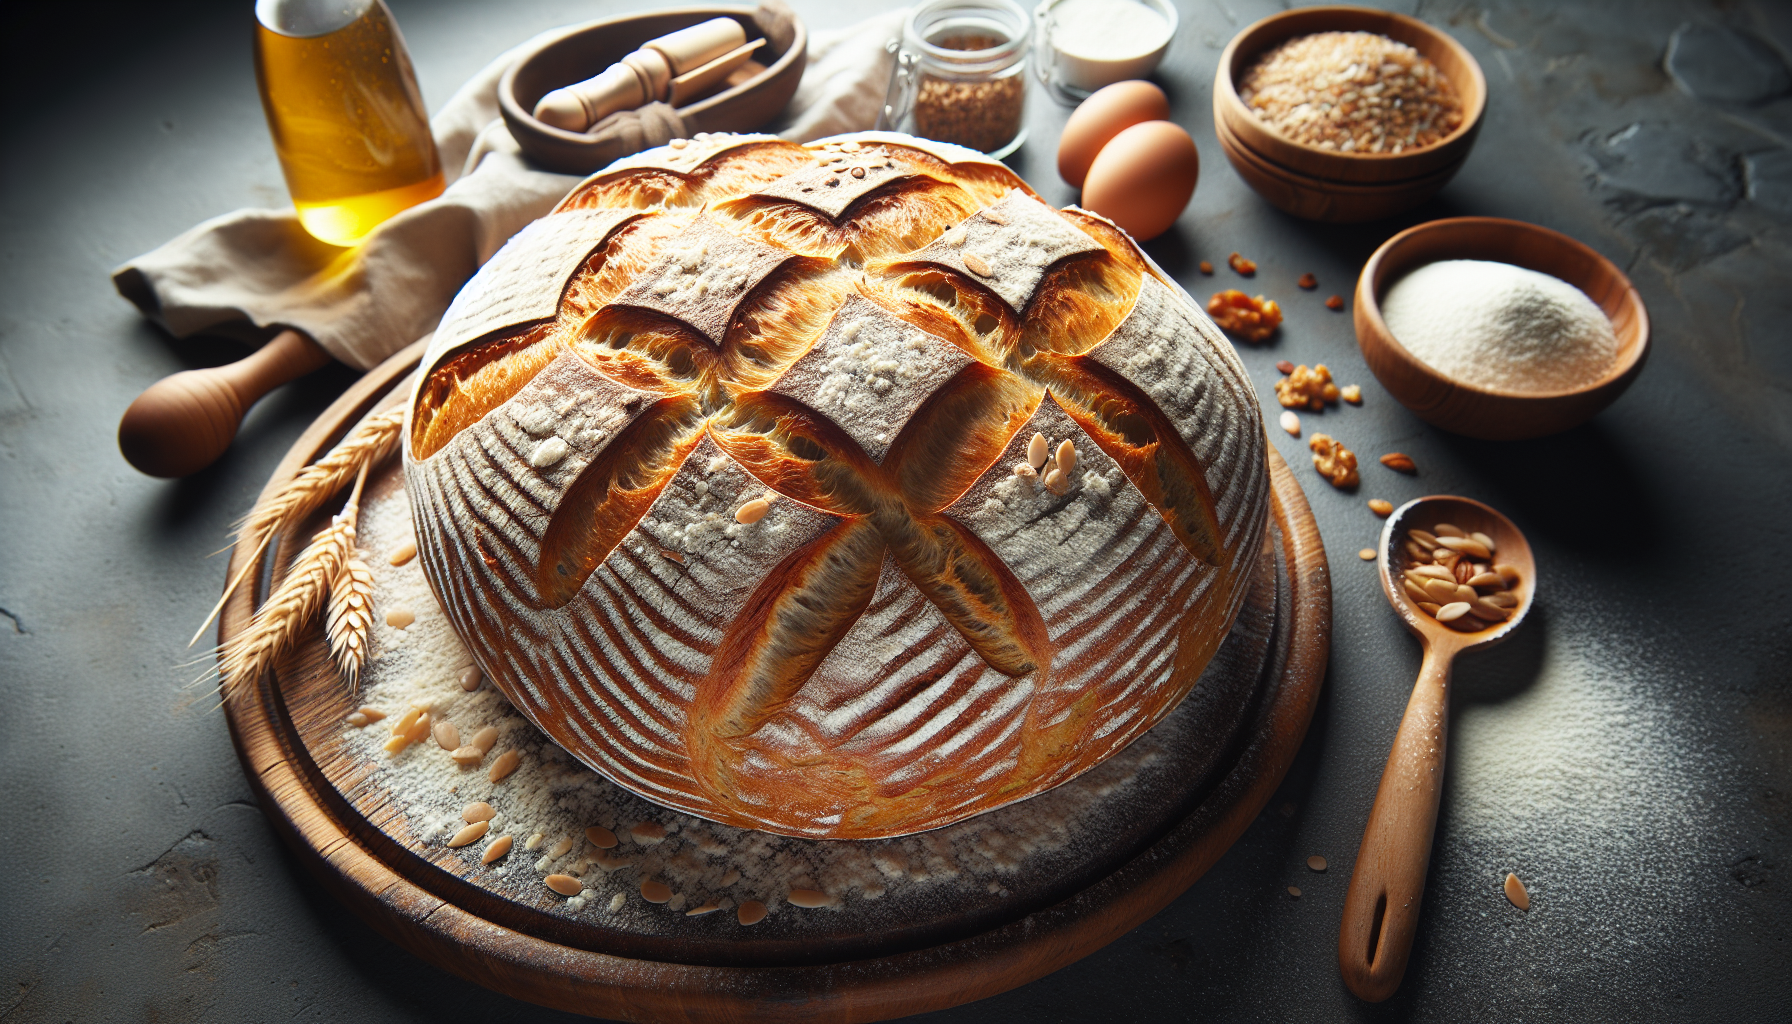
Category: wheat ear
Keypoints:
(351, 619)
(366, 445)
(294, 602)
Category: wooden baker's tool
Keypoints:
(183, 422)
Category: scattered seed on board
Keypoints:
(447, 736)
(729, 879)
(504, 765)
(371, 714)
(752, 511)
(534, 841)
(1516, 892)
(470, 833)
(498, 848)
(655, 891)
(648, 833)
(708, 908)
(1290, 422)
(1381, 507)
(750, 912)
(974, 263)
(601, 837)
(1335, 303)
(1294, 891)
(808, 898)
(467, 756)
(478, 810)
(484, 738)
(399, 616)
(357, 719)
(403, 552)
(1399, 462)
(565, 885)
(560, 849)
(1366, 554)
(1038, 450)
(470, 678)
(1316, 863)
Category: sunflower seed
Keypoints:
(750, 912)
(1486, 541)
(752, 511)
(498, 848)
(470, 833)
(1453, 611)
(654, 891)
(708, 908)
(1066, 455)
(484, 738)
(1038, 450)
(504, 765)
(478, 811)
(1426, 539)
(565, 885)
(808, 898)
(601, 837)
(467, 756)
(1516, 892)
(447, 736)
(974, 263)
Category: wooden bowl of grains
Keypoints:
(1497, 385)
(1346, 114)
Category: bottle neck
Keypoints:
(303, 19)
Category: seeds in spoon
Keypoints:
(1452, 611)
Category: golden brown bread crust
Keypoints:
(868, 331)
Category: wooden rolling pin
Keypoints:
(183, 422)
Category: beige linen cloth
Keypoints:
(245, 272)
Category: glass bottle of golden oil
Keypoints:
(347, 117)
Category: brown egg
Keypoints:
(1106, 113)
(1143, 178)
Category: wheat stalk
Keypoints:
(366, 445)
(351, 619)
(295, 601)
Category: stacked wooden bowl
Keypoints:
(1327, 185)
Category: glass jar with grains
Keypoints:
(961, 75)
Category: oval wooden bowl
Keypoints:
(584, 50)
(1457, 64)
(1329, 202)
(448, 920)
(1490, 413)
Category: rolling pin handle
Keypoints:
(182, 423)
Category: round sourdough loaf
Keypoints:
(843, 490)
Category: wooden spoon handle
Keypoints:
(182, 423)
(1381, 910)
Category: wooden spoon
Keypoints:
(1381, 910)
(181, 424)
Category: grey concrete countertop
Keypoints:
(1626, 754)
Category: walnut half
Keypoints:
(1334, 461)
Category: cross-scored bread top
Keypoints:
(727, 472)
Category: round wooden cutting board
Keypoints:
(1223, 752)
